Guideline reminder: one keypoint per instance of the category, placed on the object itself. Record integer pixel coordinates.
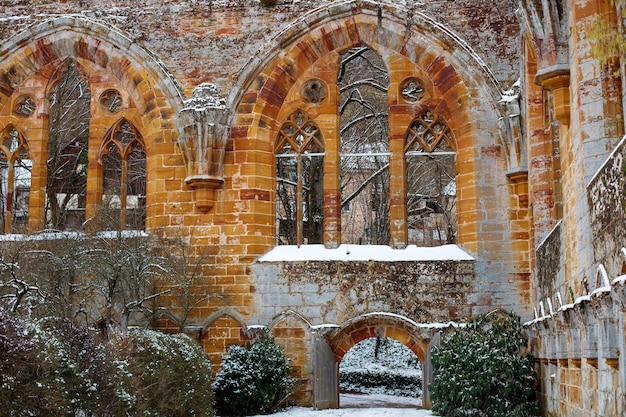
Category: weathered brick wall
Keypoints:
(606, 194)
(465, 53)
(351, 299)
(332, 292)
(578, 356)
(574, 124)
(549, 273)
(211, 40)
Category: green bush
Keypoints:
(253, 380)
(382, 380)
(480, 371)
(55, 367)
(21, 368)
(170, 374)
(381, 365)
(92, 380)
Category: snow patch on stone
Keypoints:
(381, 253)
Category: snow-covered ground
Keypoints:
(395, 358)
(368, 405)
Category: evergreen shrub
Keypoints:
(91, 378)
(481, 371)
(382, 381)
(170, 374)
(55, 367)
(254, 380)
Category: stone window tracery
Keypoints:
(15, 180)
(111, 100)
(123, 160)
(412, 90)
(314, 90)
(62, 198)
(430, 151)
(24, 106)
(299, 151)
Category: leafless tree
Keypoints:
(123, 269)
(18, 288)
(58, 262)
(67, 148)
(363, 81)
(188, 286)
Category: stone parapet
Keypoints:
(577, 348)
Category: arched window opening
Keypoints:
(123, 160)
(551, 125)
(381, 366)
(430, 152)
(15, 180)
(299, 154)
(363, 81)
(67, 149)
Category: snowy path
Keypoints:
(378, 401)
(353, 405)
(354, 412)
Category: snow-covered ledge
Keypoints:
(379, 253)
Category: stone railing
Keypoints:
(606, 196)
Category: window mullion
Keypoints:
(10, 195)
(299, 201)
(123, 193)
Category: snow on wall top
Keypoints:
(379, 253)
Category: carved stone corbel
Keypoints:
(557, 80)
(203, 136)
(511, 129)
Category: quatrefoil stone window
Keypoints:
(24, 106)
(111, 100)
(412, 90)
(314, 90)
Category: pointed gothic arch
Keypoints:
(299, 152)
(363, 82)
(124, 81)
(15, 180)
(123, 159)
(69, 113)
(451, 81)
(430, 161)
(96, 42)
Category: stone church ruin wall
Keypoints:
(531, 117)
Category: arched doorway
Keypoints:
(380, 371)
(332, 344)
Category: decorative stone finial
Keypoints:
(203, 137)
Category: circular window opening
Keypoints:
(314, 90)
